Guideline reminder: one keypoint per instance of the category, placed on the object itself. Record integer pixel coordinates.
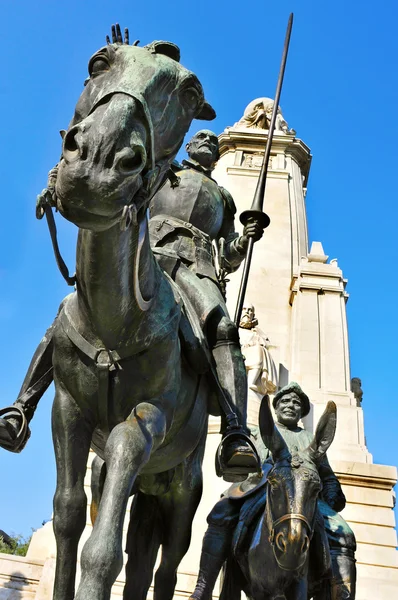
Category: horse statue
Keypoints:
(270, 556)
(122, 385)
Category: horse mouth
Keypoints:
(291, 564)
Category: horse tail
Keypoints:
(231, 580)
(144, 537)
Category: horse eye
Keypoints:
(191, 98)
(98, 64)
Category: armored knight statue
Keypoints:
(258, 114)
(290, 404)
(262, 375)
(188, 215)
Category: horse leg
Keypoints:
(143, 541)
(70, 502)
(178, 509)
(127, 450)
(98, 474)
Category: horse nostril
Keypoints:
(131, 160)
(280, 542)
(305, 545)
(71, 147)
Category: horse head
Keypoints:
(128, 126)
(293, 488)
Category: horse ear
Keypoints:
(207, 112)
(269, 433)
(324, 433)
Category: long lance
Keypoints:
(255, 213)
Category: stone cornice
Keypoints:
(255, 171)
(254, 140)
(381, 477)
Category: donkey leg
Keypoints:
(178, 509)
(128, 449)
(70, 502)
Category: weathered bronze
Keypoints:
(280, 534)
(123, 318)
(147, 426)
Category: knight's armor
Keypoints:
(186, 221)
(201, 212)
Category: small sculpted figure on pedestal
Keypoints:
(262, 375)
(258, 114)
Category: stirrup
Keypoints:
(19, 443)
(235, 474)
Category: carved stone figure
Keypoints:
(258, 114)
(281, 533)
(356, 388)
(262, 375)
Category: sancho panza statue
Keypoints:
(187, 215)
(290, 404)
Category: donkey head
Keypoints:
(129, 124)
(293, 487)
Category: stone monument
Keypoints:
(299, 300)
(301, 297)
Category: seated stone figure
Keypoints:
(291, 404)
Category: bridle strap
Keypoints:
(273, 523)
(70, 280)
(291, 517)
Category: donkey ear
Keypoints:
(269, 433)
(324, 433)
(206, 113)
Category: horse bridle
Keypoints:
(273, 523)
(150, 177)
(289, 517)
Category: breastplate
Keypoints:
(196, 200)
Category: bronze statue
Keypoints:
(280, 533)
(148, 426)
(185, 220)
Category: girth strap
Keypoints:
(109, 360)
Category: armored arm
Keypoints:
(234, 247)
(332, 492)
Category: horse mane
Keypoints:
(156, 47)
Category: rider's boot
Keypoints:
(216, 544)
(14, 430)
(237, 455)
(344, 575)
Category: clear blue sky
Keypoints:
(340, 95)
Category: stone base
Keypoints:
(369, 512)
